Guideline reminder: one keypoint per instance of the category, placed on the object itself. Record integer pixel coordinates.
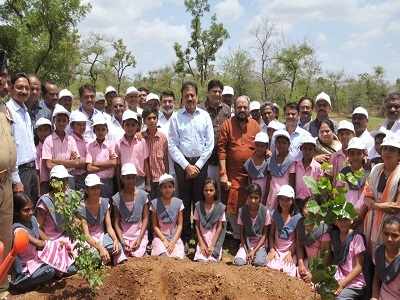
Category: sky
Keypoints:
(348, 35)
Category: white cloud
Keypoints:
(228, 10)
(361, 39)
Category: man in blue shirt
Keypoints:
(191, 143)
(50, 99)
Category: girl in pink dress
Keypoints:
(209, 217)
(167, 219)
(256, 166)
(281, 167)
(282, 253)
(253, 218)
(348, 249)
(131, 214)
(58, 250)
(43, 130)
(386, 284)
(28, 270)
(95, 216)
(310, 242)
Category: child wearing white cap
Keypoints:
(43, 128)
(101, 157)
(255, 111)
(282, 238)
(131, 214)
(167, 219)
(256, 166)
(253, 220)
(356, 153)
(345, 133)
(375, 152)
(307, 166)
(281, 167)
(96, 223)
(60, 148)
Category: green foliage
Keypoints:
(327, 205)
(87, 262)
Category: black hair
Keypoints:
(293, 208)
(44, 86)
(147, 111)
(214, 83)
(17, 76)
(20, 201)
(305, 98)
(188, 84)
(391, 220)
(167, 94)
(87, 87)
(254, 188)
(266, 104)
(141, 89)
(214, 183)
(392, 96)
(291, 105)
(329, 123)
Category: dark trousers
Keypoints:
(190, 191)
(30, 180)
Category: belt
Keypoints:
(4, 175)
(28, 165)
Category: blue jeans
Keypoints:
(25, 282)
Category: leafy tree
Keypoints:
(198, 56)
(121, 60)
(45, 36)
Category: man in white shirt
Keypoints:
(360, 121)
(392, 113)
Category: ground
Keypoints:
(164, 278)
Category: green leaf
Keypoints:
(312, 184)
(326, 166)
(351, 178)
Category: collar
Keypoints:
(104, 143)
(43, 105)
(78, 137)
(56, 137)
(162, 116)
(197, 111)
(146, 133)
(125, 141)
(16, 106)
(95, 111)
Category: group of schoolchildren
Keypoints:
(116, 225)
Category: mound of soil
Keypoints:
(164, 278)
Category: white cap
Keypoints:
(99, 119)
(165, 178)
(274, 124)
(391, 141)
(286, 191)
(100, 96)
(356, 143)
(379, 131)
(92, 180)
(110, 89)
(60, 110)
(228, 90)
(129, 114)
(280, 132)
(261, 137)
(128, 169)
(360, 111)
(152, 96)
(65, 93)
(78, 116)
(308, 139)
(59, 171)
(344, 124)
(42, 121)
(323, 96)
(254, 105)
(131, 90)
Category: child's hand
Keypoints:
(166, 244)
(105, 256)
(288, 259)
(147, 188)
(127, 248)
(171, 247)
(74, 155)
(116, 247)
(304, 274)
(204, 250)
(250, 256)
(210, 250)
(340, 288)
(135, 245)
(271, 254)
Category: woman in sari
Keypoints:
(382, 196)
(327, 142)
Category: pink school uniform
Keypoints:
(167, 217)
(59, 256)
(388, 274)
(253, 230)
(208, 223)
(355, 193)
(96, 228)
(346, 260)
(82, 150)
(55, 148)
(130, 216)
(135, 152)
(312, 241)
(279, 176)
(313, 170)
(257, 174)
(284, 243)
